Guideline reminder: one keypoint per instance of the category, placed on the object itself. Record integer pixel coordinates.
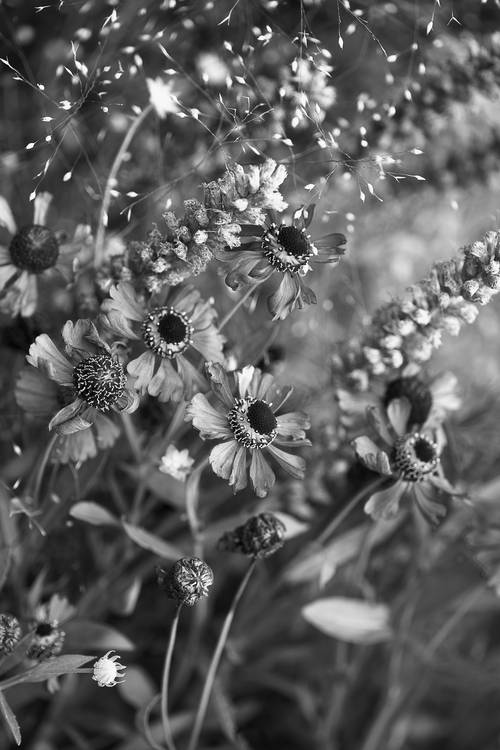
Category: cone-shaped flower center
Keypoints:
(34, 249)
(287, 248)
(253, 422)
(167, 331)
(100, 381)
(417, 393)
(415, 456)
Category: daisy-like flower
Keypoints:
(431, 400)
(34, 249)
(177, 464)
(91, 380)
(246, 419)
(168, 333)
(285, 249)
(107, 670)
(409, 458)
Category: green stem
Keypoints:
(335, 523)
(132, 436)
(169, 740)
(41, 468)
(235, 307)
(214, 664)
(110, 182)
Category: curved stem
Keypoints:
(169, 741)
(41, 468)
(103, 214)
(217, 655)
(335, 522)
(235, 307)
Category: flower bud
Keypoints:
(187, 581)
(10, 633)
(260, 536)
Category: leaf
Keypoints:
(93, 513)
(292, 525)
(151, 542)
(53, 667)
(327, 559)
(10, 718)
(350, 620)
(86, 634)
(138, 689)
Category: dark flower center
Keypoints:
(167, 332)
(293, 241)
(99, 380)
(34, 249)
(253, 422)
(417, 393)
(45, 628)
(415, 456)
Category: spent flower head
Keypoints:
(187, 581)
(10, 633)
(260, 536)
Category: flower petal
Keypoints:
(398, 412)
(68, 419)
(286, 297)
(166, 384)
(208, 421)
(35, 393)
(427, 501)
(238, 478)
(222, 457)
(141, 369)
(44, 354)
(6, 218)
(220, 384)
(295, 423)
(384, 504)
(7, 271)
(371, 456)
(125, 300)
(261, 474)
(106, 431)
(191, 377)
(209, 343)
(41, 207)
(292, 464)
(128, 401)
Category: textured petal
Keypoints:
(82, 337)
(187, 301)
(222, 457)
(245, 378)
(203, 314)
(41, 207)
(398, 412)
(208, 421)
(75, 448)
(427, 500)
(293, 465)
(44, 354)
(250, 267)
(128, 401)
(117, 324)
(6, 218)
(384, 505)
(166, 383)
(106, 431)
(7, 271)
(35, 393)
(295, 423)
(209, 343)
(142, 369)
(220, 384)
(261, 474)
(371, 456)
(68, 419)
(238, 478)
(124, 299)
(191, 377)
(29, 296)
(376, 420)
(285, 298)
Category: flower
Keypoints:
(107, 670)
(34, 250)
(286, 249)
(91, 380)
(162, 96)
(409, 457)
(431, 399)
(10, 633)
(168, 332)
(245, 418)
(48, 640)
(187, 581)
(176, 463)
(260, 536)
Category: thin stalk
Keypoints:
(217, 655)
(235, 307)
(132, 437)
(102, 223)
(169, 740)
(335, 523)
(41, 468)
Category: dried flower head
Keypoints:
(261, 536)
(187, 581)
(10, 633)
(107, 670)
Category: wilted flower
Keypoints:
(10, 633)
(410, 458)
(170, 333)
(177, 464)
(34, 249)
(90, 379)
(187, 581)
(107, 670)
(246, 419)
(260, 536)
(286, 249)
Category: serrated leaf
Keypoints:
(10, 719)
(86, 634)
(93, 513)
(350, 620)
(151, 542)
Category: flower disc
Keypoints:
(34, 249)
(99, 380)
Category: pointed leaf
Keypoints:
(93, 513)
(10, 719)
(53, 667)
(151, 542)
(351, 620)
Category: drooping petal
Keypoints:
(29, 295)
(208, 421)
(398, 412)
(76, 448)
(384, 504)
(106, 431)
(118, 324)
(375, 419)
(82, 337)
(222, 457)
(293, 465)
(371, 456)
(238, 478)
(191, 377)
(261, 474)
(6, 217)
(209, 343)
(427, 500)
(40, 208)
(141, 368)
(35, 393)
(220, 384)
(125, 300)
(44, 354)
(128, 401)
(245, 377)
(295, 423)
(330, 245)
(68, 419)
(251, 267)
(285, 298)
(166, 384)
(7, 271)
